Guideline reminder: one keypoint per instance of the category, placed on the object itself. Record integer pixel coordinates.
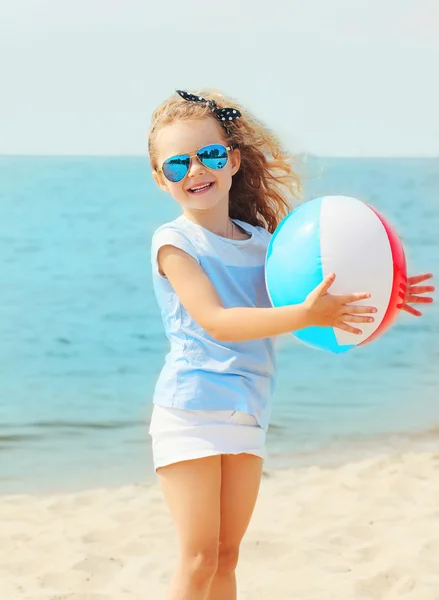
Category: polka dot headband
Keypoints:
(223, 114)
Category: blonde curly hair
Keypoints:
(266, 183)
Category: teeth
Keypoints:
(203, 187)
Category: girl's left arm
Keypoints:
(413, 289)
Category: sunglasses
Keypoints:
(214, 156)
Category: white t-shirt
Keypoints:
(201, 372)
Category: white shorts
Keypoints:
(179, 434)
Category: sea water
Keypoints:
(81, 341)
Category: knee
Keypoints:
(227, 559)
(202, 566)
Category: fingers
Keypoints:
(347, 318)
(348, 298)
(348, 328)
(411, 310)
(324, 286)
(357, 319)
(418, 299)
(422, 289)
(357, 310)
(418, 278)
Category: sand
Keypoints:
(365, 530)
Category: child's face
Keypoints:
(186, 137)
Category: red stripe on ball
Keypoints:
(399, 279)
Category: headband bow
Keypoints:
(223, 114)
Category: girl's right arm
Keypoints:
(200, 298)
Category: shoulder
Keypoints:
(177, 225)
(174, 233)
(175, 230)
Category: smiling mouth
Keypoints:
(200, 189)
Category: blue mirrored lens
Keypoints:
(213, 156)
(175, 168)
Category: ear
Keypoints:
(160, 180)
(235, 160)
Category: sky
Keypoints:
(330, 77)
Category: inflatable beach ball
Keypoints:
(350, 238)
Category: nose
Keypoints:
(196, 167)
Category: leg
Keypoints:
(241, 477)
(192, 492)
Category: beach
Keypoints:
(364, 530)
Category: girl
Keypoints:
(212, 399)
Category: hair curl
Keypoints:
(263, 188)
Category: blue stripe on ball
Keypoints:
(294, 269)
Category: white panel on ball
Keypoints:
(349, 223)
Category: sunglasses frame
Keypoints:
(228, 148)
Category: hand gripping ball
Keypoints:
(350, 238)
